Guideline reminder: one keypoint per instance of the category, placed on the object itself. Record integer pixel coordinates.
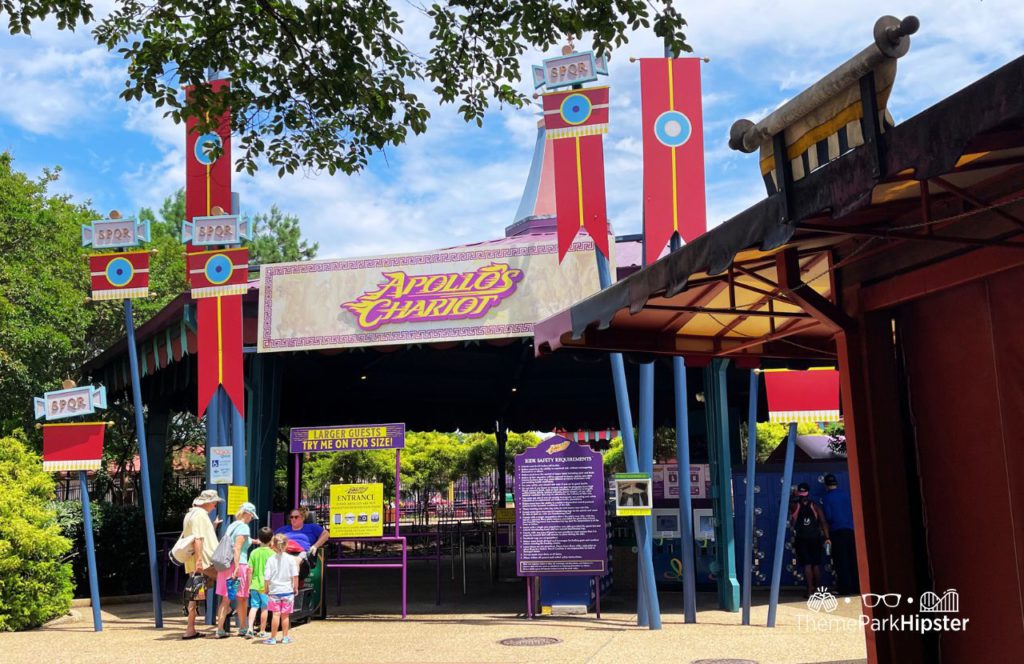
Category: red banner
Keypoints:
(219, 323)
(802, 396)
(73, 446)
(673, 133)
(218, 272)
(575, 120)
(207, 180)
(120, 275)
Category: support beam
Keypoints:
(788, 267)
(717, 412)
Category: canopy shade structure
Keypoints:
(764, 283)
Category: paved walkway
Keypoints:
(464, 628)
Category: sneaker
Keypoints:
(244, 633)
(286, 639)
(220, 634)
(269, 642)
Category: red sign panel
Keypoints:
(119, 275)
(219, 272)
(73, 446)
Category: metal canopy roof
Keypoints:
(742, 289)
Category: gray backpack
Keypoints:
(224, 556)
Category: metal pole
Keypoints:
(90, 554)
(748, 508)
(213, 439)
(397, 512)
(597, 599)
(780, 532)
(238, 465)
(405, 577)
(298, 480)
(629, 452)
(529, 597)
(685, 497)
(462, 552)
(646, 461)
(147, 496)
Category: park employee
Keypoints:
(310, 536)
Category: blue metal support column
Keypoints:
(644, 553)
(147, 492)
(645, 450)
(90, 553)
(717, 403)
(213, 439)
(780, 530)
(685, 496)
(748, 504)
(239, 468)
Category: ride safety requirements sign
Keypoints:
(561, 527)
(348, 438)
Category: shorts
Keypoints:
(257, 600)
(808, 551)
(244, 577)
(281, 604)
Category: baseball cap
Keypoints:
(830, 480)
(803, 489)
(248, 508)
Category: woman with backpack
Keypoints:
(809, 528)
(233, 581)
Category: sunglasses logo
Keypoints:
(891, 600)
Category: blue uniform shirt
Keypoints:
(838, 510)
(305, 536)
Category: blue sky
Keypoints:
(458, 183)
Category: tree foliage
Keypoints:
(322, 85)
(35, 582)
(277, 238)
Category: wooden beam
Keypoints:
(788, 266)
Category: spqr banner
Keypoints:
(673, 133)
(574, 121)
(119, 275)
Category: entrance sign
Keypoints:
(221, 464)
(479, 292)
(348, 438)
(357, 510)
(632, 494)
(560, 515)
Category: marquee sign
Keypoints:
(429, 297)
(494, 290)
(72, 402)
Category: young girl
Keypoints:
(281, 576)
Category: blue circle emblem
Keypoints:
(218, 269)
(120, 272)
(672, 128)
(576, 109)
(204, 146)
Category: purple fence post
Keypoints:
(405, 568)
(437, 565)
(298, 481)
(397, 513)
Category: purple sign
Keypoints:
(348, 438)
(560, 510)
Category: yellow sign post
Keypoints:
(236, 496)
(357, 510)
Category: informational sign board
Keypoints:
(221, 466)
(348, 438)
(236, 496)
(476, 292)
(633, 494)
(666, 481)
(561, 527)
(505, 515)
(357, 510)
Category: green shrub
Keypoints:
(119, 533)
(35, 582)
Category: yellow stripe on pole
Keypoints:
(579, 180)
(675, 184)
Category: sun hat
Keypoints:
(207, 496)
